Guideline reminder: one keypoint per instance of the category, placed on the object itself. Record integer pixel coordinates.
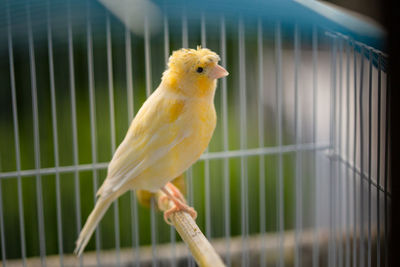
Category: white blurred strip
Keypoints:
(355, 208)
(279, 88)
(362, 152)
(315, 139)
(378, 169)
(347, 172)
(243, 144)
(298, 177)
(387, 171)
(133, 12)
(262, 201)
(333, 173)
(339, 148)
(370, 159)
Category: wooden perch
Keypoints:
(201, 249)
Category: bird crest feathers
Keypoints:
(184, 59)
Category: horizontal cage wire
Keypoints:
(297, 170)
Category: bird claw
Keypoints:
(179, 207)
(179, 201)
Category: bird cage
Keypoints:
(296, 172)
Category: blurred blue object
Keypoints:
(302, 12)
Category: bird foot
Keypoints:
(179, 207)
(175, 192)
(175, 196)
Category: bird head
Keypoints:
(198, 68)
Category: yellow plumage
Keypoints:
(169, 133)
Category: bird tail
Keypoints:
(95, 216)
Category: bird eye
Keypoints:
(199, 70)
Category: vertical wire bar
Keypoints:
(147, 55)
(112, 129)
(378, 169)
(225, 141)
(16, 137)
(148, 92)
(361, 159)
(189, 188)
(3, 238)
(92, 108)
(153, 225)
(133, 201)
(338, 165)
(243, 144)
(386, 177)
(185, 37)
(135, 229)
(166, 56)
(36, 144)
(347, 154)
(355, 160)
(203, 30)
(55, 135)
(185, 44)
(315, 123)
(263, 256)
(110, 82)
(128, 66)
(332, 137)
(298, 183)
(74, 125)
(166, 39)
(280, 217)
(207, 187)
(369, 158)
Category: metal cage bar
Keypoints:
(225, 136)
(55, 135)
(39, 197)
(92, 108)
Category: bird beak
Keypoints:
(218, 72)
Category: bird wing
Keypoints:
(150, 137)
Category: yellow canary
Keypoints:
(169, 133)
